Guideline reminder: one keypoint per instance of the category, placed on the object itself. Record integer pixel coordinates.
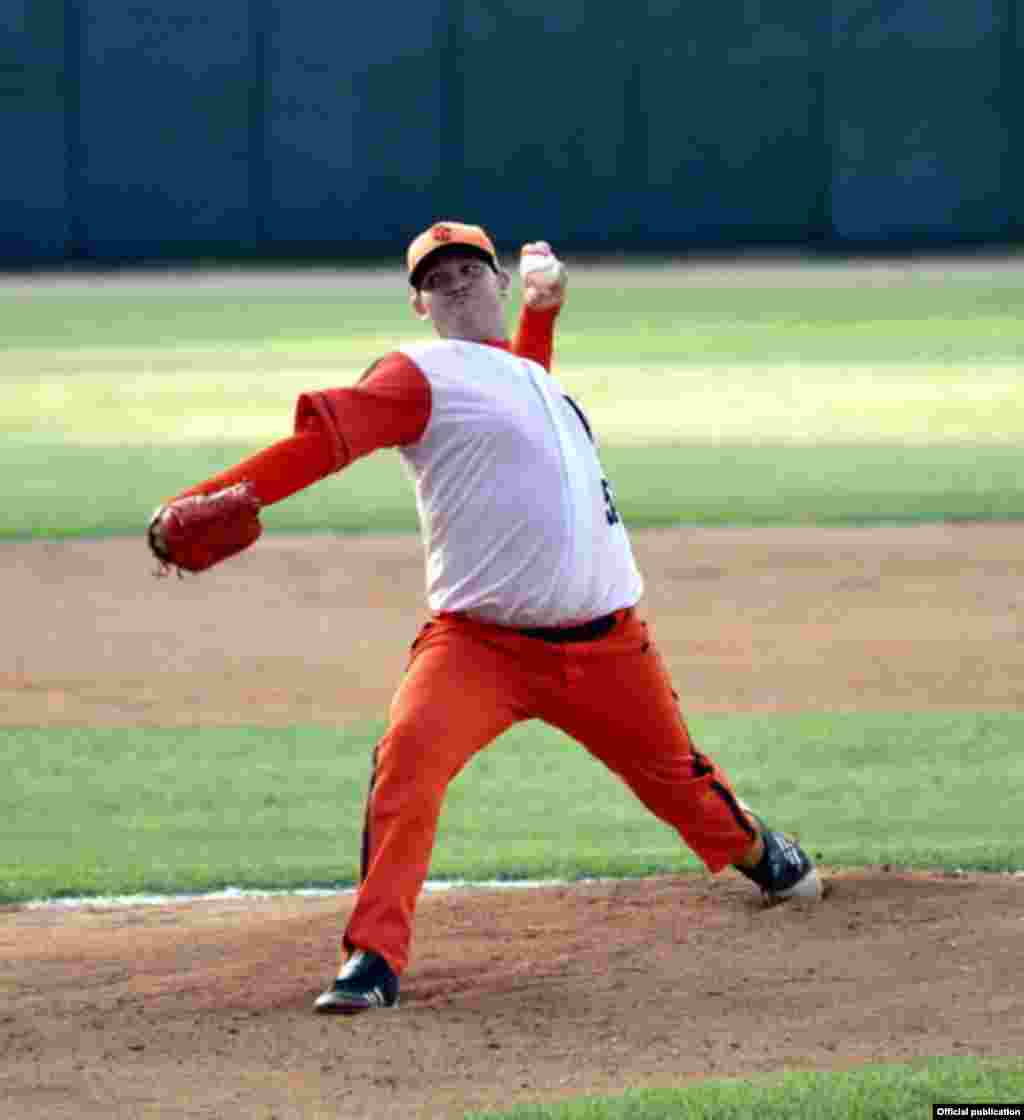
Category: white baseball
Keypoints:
(547, 264)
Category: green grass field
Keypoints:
(94, 811)
(813, 394)
(70, 490)
(890, 1092)
(801, 394)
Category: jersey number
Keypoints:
(610, 512)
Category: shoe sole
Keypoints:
(808, 889)
(347, 1007)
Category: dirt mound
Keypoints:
(203, 1009)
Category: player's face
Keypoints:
(461, 295)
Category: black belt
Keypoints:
(587, 632)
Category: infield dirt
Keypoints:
(203, 1009)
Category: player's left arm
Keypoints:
(545, 281)
(389, 406)
(218, 517)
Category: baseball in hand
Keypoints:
(543, 274)
(545, 267)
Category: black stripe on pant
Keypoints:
(364, 857)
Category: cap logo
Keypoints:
(442, 233)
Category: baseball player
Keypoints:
(531, 582)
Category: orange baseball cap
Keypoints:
(447, 235)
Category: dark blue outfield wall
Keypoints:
(171, 129)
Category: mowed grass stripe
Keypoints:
(54, 490)
(123, 811)
(909, 310)
(181, 397)
(800, 354)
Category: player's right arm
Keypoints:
(543, 296)
(535, 335)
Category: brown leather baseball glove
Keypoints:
(196, 532)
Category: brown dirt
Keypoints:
(202, 1009)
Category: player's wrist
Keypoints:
(541, 316)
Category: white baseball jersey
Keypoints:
(518, 522)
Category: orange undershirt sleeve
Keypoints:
(283, 468)
(389, 406)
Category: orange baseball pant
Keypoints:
(466, 683)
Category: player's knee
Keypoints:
(409, 778)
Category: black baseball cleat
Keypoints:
(365, 982)
(785, 871)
